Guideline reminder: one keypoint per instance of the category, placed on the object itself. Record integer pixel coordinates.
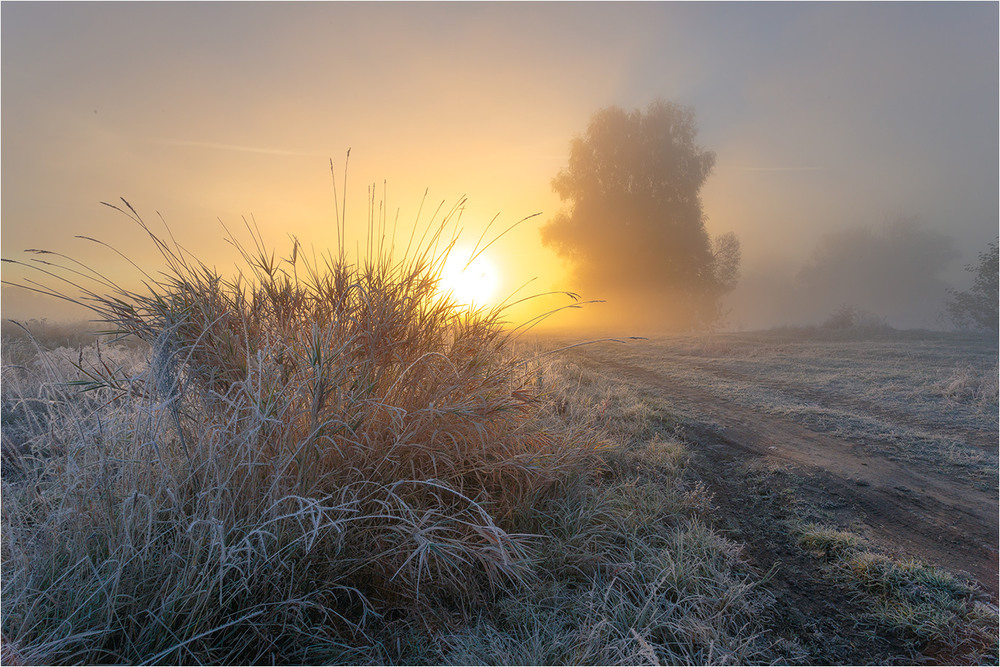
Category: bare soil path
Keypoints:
(913, 509)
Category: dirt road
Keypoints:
(915, 510)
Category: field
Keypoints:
(323, 462)
(889, 436)
(927, 399)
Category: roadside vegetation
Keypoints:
(329, 461)
(908, 599)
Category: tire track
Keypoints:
(921, 513)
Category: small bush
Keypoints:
(310, 446)
(854, 318)
(976, 386)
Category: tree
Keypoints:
(632, 226)
(893, 270)
(977, 307)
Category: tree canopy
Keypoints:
(632, 227)
(977, 307)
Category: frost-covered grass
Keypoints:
(620, 561)
(301, 451)
(316, 462)
(909, 598)
(634, 573)
(119, 547)
(916, 396)
(323, 462)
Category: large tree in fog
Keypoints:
(632, 226)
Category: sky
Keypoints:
(824, 117)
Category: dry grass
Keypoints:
(326, 461)
(311, 446)
(629, 571)
(124, 547)
(968, 384)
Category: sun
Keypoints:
(472, 284)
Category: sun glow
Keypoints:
(470, 283)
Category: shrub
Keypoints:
(977, 308)
(852, 317)
(311, 444)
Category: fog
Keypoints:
(895, 272)
(830, 123)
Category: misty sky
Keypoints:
(823, 117)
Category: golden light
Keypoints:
(472, 284)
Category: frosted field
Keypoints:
(921, 397)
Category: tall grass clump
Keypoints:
(978, 387)
(631, 572)
(315, 448)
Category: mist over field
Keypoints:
(499, 333)
(898, 273)
(817, 150)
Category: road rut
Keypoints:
(916, 511)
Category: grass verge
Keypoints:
(630, 571)
(329, 462)
(308, 446)
(919, 603)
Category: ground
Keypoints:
(853, 476)
(892, 437)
